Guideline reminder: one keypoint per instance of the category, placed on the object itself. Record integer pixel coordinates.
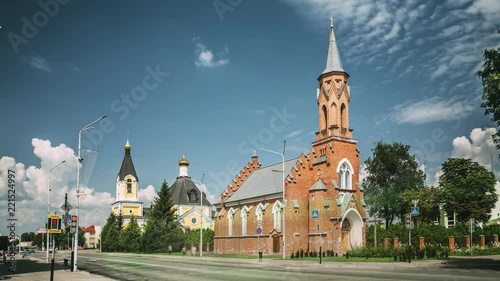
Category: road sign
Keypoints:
(414, 211)
(410, 225)
(259, 230)
(315, 214)
(408, 222)
(259, 223)
(41, 230)
(68, 206)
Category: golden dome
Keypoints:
(183, 161)
(127, 145)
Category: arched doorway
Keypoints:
(352, 230)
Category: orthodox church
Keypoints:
(194, 211)
(127, 187)
(319, 204)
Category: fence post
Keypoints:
(451, 243)
(386, 243)
(481, 239)
(422, 243)
(495, 240)
(396, 243)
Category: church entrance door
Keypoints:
(276, 244)
(346, 231)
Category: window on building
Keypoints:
(129, 186)
(193, 196)
(345, 175)
(194, 221)
(277, 215)
(244, 221)
(230, 215)
(259, 212)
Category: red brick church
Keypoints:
(324, 204)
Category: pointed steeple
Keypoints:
(333, 62)
(127, 164)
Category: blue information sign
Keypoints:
(414, 211)
(259, 230)
(315, 214)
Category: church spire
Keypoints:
(333, 62)
(127, 167)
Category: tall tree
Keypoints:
(391, 171)
(109, 234)
(468, 189)
(162, 208)
(490, 77)
(162, 226)
(130, 236)
(427, 203)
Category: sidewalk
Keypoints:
(33, 269)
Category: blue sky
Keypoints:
(207, 78)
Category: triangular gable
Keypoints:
(319, 185)
(345, 202)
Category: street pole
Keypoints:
(100, 231)
(78, 188)
(48, 209)
(283, 187)
(201, 217)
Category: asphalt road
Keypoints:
(159, 267)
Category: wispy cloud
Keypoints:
(434, 37)
(37, 62)
(206, 58)
(433, 109)
(294, 134)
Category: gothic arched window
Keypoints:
(345, 174)
(277, 215)
(244, 216)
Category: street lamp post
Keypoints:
(75, 260)
(283, 182)
(201, 217)
(100, 231)
(48, 209)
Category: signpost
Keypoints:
(259, 232)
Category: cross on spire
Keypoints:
(331, 21)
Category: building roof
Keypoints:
(127, 167)
(333, 62)
(264, 181)
(90, 228)
(180, 189)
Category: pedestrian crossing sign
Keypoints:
(414, 211)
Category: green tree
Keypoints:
(490, 77)
(151, 238)
(427, 203)
(130, 236)
(162, 226)
(468, 189)
(193, 236)
(162, 207)
(391, 171)
(109, 234)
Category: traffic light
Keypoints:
(73, 224)
(54, 224)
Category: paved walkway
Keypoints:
(33, 269)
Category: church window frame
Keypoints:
(192, 196)
(277, 210)
(244, 220)
(230, 216)
(129, 186)
(259, 212)
(345, 172)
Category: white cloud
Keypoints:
(490, 9)
(206, 58)
(32, 188)
(433, 109)
(37, 63)
(147, 195)
(479, 147)
(293, 134)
